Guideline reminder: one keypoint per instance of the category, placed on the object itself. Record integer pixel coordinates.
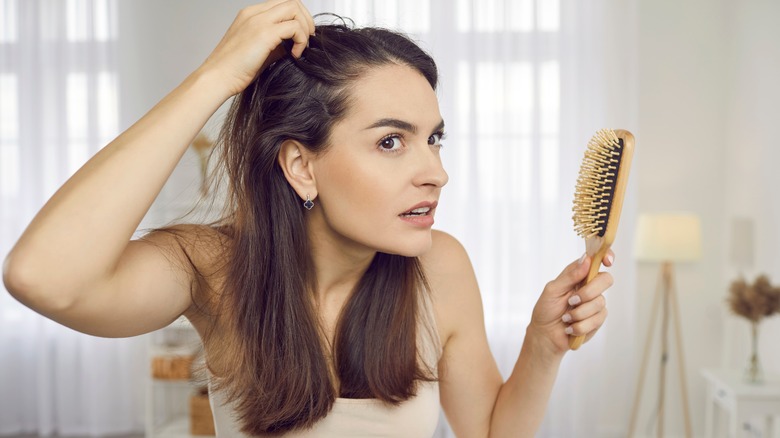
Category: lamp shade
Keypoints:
(670, 237)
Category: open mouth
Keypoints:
(422, 211)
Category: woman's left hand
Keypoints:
(565, 308)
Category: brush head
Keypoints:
(598, 196)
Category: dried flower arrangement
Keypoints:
(754, 301)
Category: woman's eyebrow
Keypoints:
(400, 124)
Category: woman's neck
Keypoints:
(338, 262)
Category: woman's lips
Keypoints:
(419, 221)
(424, 218)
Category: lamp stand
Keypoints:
(665, 292)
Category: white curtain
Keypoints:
(58, 106)
(524, 85)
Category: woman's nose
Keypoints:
(429, 169)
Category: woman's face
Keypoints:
(382, 162)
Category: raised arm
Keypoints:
(476, 400)
(75, 262)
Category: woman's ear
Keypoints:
(294, 159)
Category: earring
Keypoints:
(309, 204)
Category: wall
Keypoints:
(681, 158)
(753, 152)
(707, 108)
(154, 62)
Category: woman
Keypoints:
(326, 303)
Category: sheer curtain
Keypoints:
(524, 85)
(58, 106)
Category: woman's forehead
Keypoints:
(392, 92)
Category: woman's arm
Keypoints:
(522, 400)
(75, 262)
(476, 401)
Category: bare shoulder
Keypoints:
(199, 252)
(453, 284)
(447, 256)
(197, 244)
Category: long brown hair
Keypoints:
(277, 372)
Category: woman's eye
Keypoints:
(390, 144)
(435, 139)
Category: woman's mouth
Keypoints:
(421, 215)
(422, 211)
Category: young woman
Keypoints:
(326, 303)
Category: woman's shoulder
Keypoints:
(198, 245)
(453, 285)
(202, 250)
(447, 255)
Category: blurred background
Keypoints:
(524, 84)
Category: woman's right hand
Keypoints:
(254, 40)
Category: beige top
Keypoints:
(414, 418)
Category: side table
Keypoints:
(727, 392)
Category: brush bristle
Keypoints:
(596, 184)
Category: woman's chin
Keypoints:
(415, 248)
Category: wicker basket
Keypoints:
(172, 367)
(201, 418)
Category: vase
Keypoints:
(753, 372)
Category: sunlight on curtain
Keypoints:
(549, 124)
(90, 20)
(412, 16)
(8, 20)
(58, 107)
(76, 99)
(9, 136)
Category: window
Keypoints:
(413, 16)
(9, 135)
(56, 82)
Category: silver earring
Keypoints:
(309, 204)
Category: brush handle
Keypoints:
(597, 256)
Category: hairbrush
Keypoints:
(598, 197)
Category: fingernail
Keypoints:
(610, 258)
(574, 300)
(568, 330)
(566, 318)
(582, 259)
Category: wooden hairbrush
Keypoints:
(598, 197)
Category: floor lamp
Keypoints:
(665, 239)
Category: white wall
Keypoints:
(753, 154)
(708, 104)
(161, 42)
(680, 160)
